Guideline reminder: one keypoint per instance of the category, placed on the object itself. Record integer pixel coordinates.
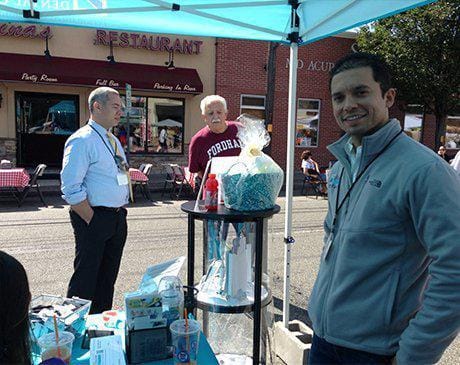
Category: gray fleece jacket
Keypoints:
(390, 282)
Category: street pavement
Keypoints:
(42, 239)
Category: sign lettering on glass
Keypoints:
(321, 66)
(24, 31)
(148, 42)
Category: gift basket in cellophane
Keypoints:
(254, 181)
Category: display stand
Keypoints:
(230, 216)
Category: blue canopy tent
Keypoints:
(293, 22)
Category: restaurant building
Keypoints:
(47, 73)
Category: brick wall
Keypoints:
(240, 70)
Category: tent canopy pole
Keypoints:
(288, 239)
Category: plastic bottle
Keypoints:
(172, 298)
(172, 302)
(210, 193)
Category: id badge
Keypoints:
(327, 247)
(122, 178)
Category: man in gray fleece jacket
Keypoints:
(388, 287)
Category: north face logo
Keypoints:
(375, 182)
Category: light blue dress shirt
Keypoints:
(354, 156)
(89, 170)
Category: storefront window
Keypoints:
(253, 105)
(453, 132)
(156, 125)
(47, 113)
(413, 121)
(43, 123)
(308, 114)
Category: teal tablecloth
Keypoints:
(82, 356)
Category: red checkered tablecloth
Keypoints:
(137, 175)
(17, 178)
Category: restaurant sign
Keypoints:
(38, 78)
(174, 87)
(148, 42)
(158, 86)
(107, 82)
(44, 78)
(24, 31)
(38, 69)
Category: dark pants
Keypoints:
(98, 251)
(323, 352)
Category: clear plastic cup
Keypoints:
(62, 350)
(185, 340)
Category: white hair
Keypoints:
(212, 99)
(101, 95)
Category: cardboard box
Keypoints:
(144, 310)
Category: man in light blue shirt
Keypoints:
(354, 156)
(94, 182)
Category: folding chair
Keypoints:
(33, 183)
(170, 179)
(180, 179)
(144, 185)
(315, 183)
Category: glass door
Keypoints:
(43, 124)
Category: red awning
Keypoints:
(72, 71)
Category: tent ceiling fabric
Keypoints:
(257, 19)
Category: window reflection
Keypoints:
(307, 123)
(47, 113)
(155, 126)
(166, 119)
(413, 118)
(453, 132)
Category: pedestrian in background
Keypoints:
(443, 154)
(311, 168)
